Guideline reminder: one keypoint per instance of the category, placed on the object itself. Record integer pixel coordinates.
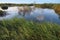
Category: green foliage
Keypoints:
(21, 29)
(2, 13)
(56, 8)
(46, 5)
(4, 7)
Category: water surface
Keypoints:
(38, 14)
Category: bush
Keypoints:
(2, 13)
(4, 7)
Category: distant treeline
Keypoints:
(37, 5)
(9, 4)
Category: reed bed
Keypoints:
(21, 29)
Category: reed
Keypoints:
(21, 29)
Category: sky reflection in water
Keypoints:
(38, 14)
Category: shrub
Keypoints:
(4, 7)
(2, 13)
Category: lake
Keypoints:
(38, 14)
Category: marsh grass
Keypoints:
(21, 29)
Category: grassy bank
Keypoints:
(21, 29)
(57, 9)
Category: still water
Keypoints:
(38, 14)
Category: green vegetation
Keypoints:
(4, 7)
(21, 29)
(56, 7)
(2, 13)
(44, 5)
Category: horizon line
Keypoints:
(27, 3)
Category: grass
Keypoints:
(21, 29)
(57, 8)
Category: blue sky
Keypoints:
(29, 1)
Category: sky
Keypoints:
(29, 1)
